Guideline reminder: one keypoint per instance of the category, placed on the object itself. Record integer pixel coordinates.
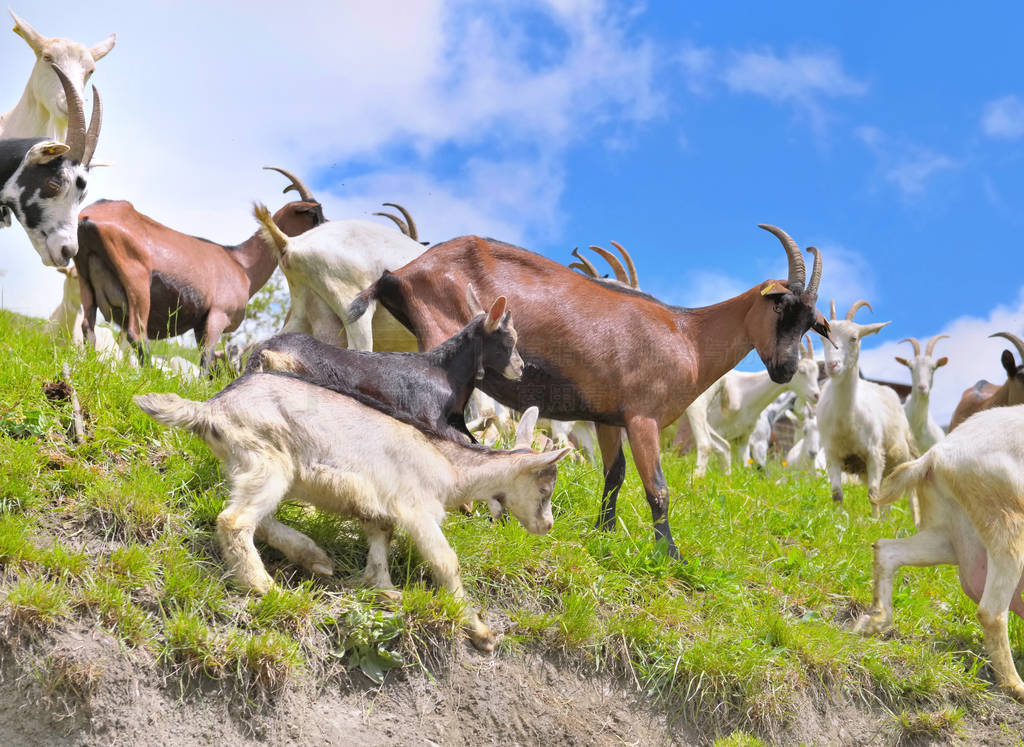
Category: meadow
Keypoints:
(740, 639)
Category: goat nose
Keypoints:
(68, 251)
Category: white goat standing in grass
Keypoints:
(922, 371)
(970, 487)
(730, 412)
(278, 435)
(42, 110)
(806, 452)
(863, 427)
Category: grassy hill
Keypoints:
(743, 641)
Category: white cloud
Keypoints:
(1004, 118)
(906, 165)
(193, 112)
(799, 79)
(972, 355)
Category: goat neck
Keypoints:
(461, 356)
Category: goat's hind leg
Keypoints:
(926, 548)
(254, 496)
(378, 540)
(295, 545)
(1001, 584)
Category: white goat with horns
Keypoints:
(864, 430)
(922, 371)
(42, 110)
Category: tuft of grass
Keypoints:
(68, 675)
(16, 540)
(740, 738)
(117, 611)
(190, 643)
(290, 609)
(267, 659)
(61, 562)
(133, 566)
(190, 582)
(36, 603)
(917, 726)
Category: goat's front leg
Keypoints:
(426, 534)
(926, 548)
(378, 539)
(254, 496)
(835, 476)
(609, 438)
(216, 322)
(875, 466)
(643, 435)
(1004, 571)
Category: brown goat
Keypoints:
(599, 351)
(985, 395)
(156, 282)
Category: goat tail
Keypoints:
(904, 479)
(175, 411)
(269, 231)
(361, 303)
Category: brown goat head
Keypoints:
(785, 312)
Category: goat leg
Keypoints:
(643, 436)
(609, 438)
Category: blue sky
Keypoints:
(888, 135)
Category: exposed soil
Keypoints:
(111, 696)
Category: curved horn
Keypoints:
(581, 267)
(810, 348)
(917, 345)
(412, 233)
(76, 117)
(630, 267)
(797, 270)
(95, 121)
(832, 310)
(815, 269)
(398, 222)
(611, 259)
(931, 344)
(304, 194)
(1017, 342)
(584, 260)
(856, 305)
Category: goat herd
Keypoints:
(383, 437)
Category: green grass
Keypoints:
(118, 532)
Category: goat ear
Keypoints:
(45, 152)
(1009, 364)
(549, 458)
(871, 329)
(773, 288)
(524, 431)
(822, 327)
(941, 362)
(475, 307)
(29, 34)
(495, 314)
(99, 51)
(904, 361)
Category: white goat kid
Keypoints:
(863, 427)
(66, 320)
(42, 110)
(328, 266)
(806, 453)
(922, 371)
(970, 487)
(732, 412)
(277, 434)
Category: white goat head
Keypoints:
(805, 381)
(44, 92)
(922, 367)
(846, 335)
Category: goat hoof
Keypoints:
(322, 569)
(483, 639)
(1015, 690)
(389, 595)
(870, 625)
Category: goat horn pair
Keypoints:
(407, 226)
(1017, 342)
(611, 259)
(81, 143)
(810, 348)
(917, 345)
(304, 194)
(589, 268)
(856, 306)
